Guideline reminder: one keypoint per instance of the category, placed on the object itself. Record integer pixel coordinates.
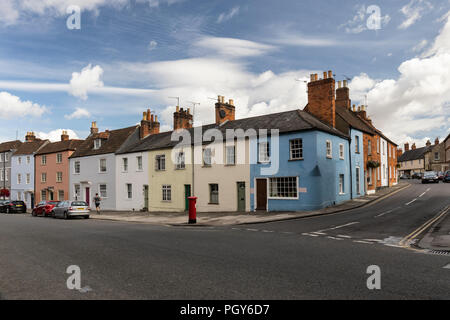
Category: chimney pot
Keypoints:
(189, 110)
(312, 78)
(345, 83)
(330, 74)
(178, 108)
(339, 84)
(324, 74)
(436, 142)
(231, 102)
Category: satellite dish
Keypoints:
(222, 114)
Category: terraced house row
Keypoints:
(305, 159)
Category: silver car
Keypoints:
(68, 209)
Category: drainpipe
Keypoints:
(351, 169)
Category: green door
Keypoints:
(241, 196)
(146, 197)
(187, 194)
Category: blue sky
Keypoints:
(53, 78)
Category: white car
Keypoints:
(68, 209)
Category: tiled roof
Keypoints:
(285, 122)
(10, 145)
(354, 121)
(413, 154)
(60, 146)
(378, 132)
(111, 142)
(30, 147)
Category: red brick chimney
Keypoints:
(30, 137)
(399, 153)
(436, 142)
(224, 111)
(321, 98)
(343, 95)
(362, 113)
(64, 136)
(182, 119)
(94, 128)
(149, 124)
(406, 146)
(413, 147)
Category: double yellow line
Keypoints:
(406, 240)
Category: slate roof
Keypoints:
(448, 137)
(111, 142)
(379, 132)
(354, 121)
(31, 147)
(10, 145)
(285, 122)
(60, 146)
(413, 154)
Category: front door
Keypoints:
(146, 197)
(187, 194)
(261, 194)
(241, 196)
(88, 196)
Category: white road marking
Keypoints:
(310, 235)
(320, 233)
(343, 236)
(338, 227)
(360, 241)
(385, 213)
(268, 231)
(422, 194)
(373, 240)
(253, 230)
(411, 202)
(333, 238)
(447, 266)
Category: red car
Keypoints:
(44, 208)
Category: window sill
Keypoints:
(215, 204)
(342, 194)
(180, 169)
(230, 165)
(329, 157)
(293, 160)
(206, 166)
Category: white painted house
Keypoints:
(93, 166)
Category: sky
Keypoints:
(131, 55)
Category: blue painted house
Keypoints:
(305, 167)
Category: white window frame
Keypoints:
(124, 164)
(77, 187)
(341, 151)
(180, 159)
(75, 167)
(28, 178)
(19, 160)
(59, 158)
(103, 195)
(129, 190)
(207, 157)
(100, 165)
(264, 152)
(166, 192)
(59, 195)
(358, 181)
(43, 195)
(357, 144)
(58, 175)
(341, 184)
(19, 178)
(160, 159)
(329, 149)
(139, 163)
(44, 160)
(270, 185)
(370, 174)
(28, 159)
(230, 160)
(97, 144)
(296, 148)
(215, 194)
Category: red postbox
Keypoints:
(192, 210)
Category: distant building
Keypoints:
(435, 156)
(6, 151)
(447, 152)
(412, 161)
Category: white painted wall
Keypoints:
(91, 177)
(137, 178)
(384, 165)
(24, 189)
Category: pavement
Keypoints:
(318, 257)
(237, 218)
(437, 238)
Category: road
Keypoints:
(314, 258)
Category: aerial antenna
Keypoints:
(178, 100)
(347, 78)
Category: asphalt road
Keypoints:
(314, 258)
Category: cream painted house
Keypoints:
(222, 177)
(412, 161)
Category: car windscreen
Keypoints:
(18, 202)
(79, 204)
(430, 174)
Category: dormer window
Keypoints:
(97, 144)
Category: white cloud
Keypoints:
(78, 114)
(416, 103)
(55, 135)
(152, 45)
(413, 12)
(12, 10)
(225, 16)
(358, 23)
(89, 78)
(11, 107)
(233, 47)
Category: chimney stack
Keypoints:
(428, 143)
(406, 146)
(149, 124)
(182, 119)
(321, 99)
(436, 142)
(64, 136)
(413, 147)
(225, 111)
(399, 153)
(343, 96)
(30, 137)
(94, 128)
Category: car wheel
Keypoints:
(33, 213)
(86, 217)
(66, 216)
(7, 210)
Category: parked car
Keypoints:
(44, 208)
(404, 176)
(446, 177)
(417, 175)
(430, 176)
(13, 207)
(68, 209)
(441, 175)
